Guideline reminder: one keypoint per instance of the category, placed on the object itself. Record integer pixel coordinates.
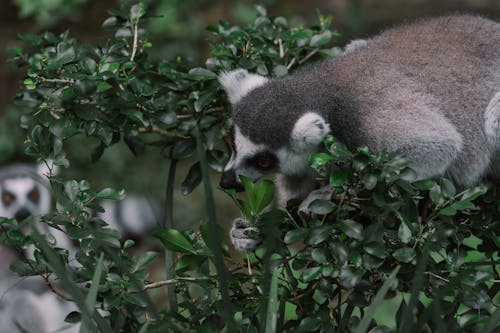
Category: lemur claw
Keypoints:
(244, 237)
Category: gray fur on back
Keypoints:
(420, 89)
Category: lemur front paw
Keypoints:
(244, 237)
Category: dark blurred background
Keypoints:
(178, 29)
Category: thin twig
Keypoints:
(156, 129)
(134, 47)
(168, 282)
(282, 50)
(438, 277)
(57, 80)
(291, 63)
(313, 52)
(57, 291)
(249, 265)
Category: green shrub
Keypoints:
(381, 242)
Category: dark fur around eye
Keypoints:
(34, 195)
(7, 198)
(264, 161)
(229, 136)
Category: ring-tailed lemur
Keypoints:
(429, 90)
(26, 303)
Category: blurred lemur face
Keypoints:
(21, 196)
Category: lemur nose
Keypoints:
(22, 214)
(228, 180)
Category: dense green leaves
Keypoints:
(329, 269)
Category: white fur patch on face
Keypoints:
(244, 148)
(238, 83)
(309, 131)
(293, 162)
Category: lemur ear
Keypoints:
(238, 83)
(309, 131)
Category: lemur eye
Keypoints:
(228, 134)
(7, 198)
(34, 195)
(230, 140)
(264, 164)
(264, 161)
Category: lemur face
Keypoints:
(22, 196)
(281, 147)
(248, 159)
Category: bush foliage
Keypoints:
(381, 240)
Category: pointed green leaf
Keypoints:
(174, 240)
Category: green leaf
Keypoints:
(264, 195)
(362, 327)
(88, 65)
(128, 244)
(405, 254)
(349, 278)
(321, 39)
(295, 235)
(436, 195)
(319, 234)
(202, 73)
(319, 160)
(103, 86)
(183, 148)
(174, 240)
(311, 273)
(22, 268)
(111, 194)
(206, 234)
(463, 205)
(91, 298)
(281, 22)
(321, 207)
(474, 192)
(319, 255)
(447, 188)
(375, 249)
(448, 211)
(136, 299)
(136, 12)
(370, 181)
(493, 322)
(192, 180)
(144, 260)
(272, 303)
(280, 71)
(203, 101)
(404, 233)
(424, 185)
(352, 229)
(339, 178)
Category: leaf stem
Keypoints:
(169, 282)
(216, 248)
(134, 47)
(168, 222)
